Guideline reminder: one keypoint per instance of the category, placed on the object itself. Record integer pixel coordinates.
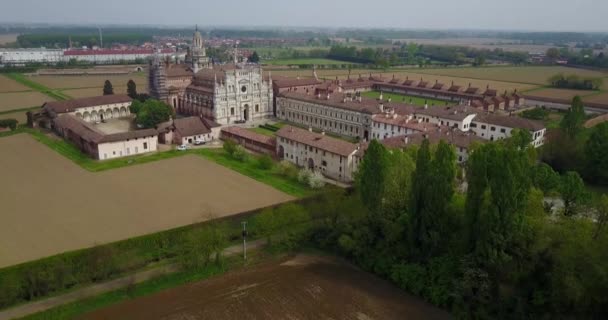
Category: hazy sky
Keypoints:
(552, 15)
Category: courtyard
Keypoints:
(51, 205)
(116, 125)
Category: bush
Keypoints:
(304, 176)
(230, 146)
(316, 181)
(287, 169)
(240, 154)
(9, 123)
(536, 114)
(265, 162)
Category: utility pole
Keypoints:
(244, 223)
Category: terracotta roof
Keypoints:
(510, 122)
(337, 100)
(88, 132)
(456, 138)
(250, 135)
(294, 82)
(404, 122)
(190, 126)
(490, 92)
(408, 82)
(422, 84)
(74, 104)
(78, 52)
(454, 88)
(437, 86)
(471, 90)
(179, 70)
(318, 140)
(458, 113)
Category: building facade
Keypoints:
(227, 93)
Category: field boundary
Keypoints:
(55, 94)
(20, 109)
(99, 289)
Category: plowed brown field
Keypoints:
(51, 205)
(305, 287)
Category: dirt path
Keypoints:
(97, 289)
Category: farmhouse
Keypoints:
(493, 127)
(333, 157)
(99, 145)
(188, 130)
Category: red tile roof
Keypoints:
(74, 104)
(317, 140)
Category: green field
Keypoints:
(406, 98)
(305, 61)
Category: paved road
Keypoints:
(97, 289)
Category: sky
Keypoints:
(530, 15)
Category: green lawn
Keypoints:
(263, 131)
(319, 61)
(406, 98)
(251, 169)
(55, 94)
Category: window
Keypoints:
(503, 130)
(257, 108)
(483, 126)
(145, 146)
(324, 163)
(231, 111)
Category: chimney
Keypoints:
(328, 95)
(469, 84)
(381, 107)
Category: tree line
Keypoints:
(482, 245)
(573, 81)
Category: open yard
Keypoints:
(20, 100)
(90, 81)
(51, 205)
(304, 287)
(10, 85)
(598, 98)
(532, 75)
(405, 98)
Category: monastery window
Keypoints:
(231, 111)
(324, 163)
(483, 127)
(503, 130)
(492, 128)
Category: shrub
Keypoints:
(304, 176)
(316, 181)
(535, 114)
(9, 123)
(229, 146)
(240, 154)
(265, 162)
(287, 169)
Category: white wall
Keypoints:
(494, 132)
(125, 148)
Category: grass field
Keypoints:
(92, 92)
(9, 85)
(305, 61)
(405, 98)
(78, 209)
(17, 115)
(597, 98)
(531, 75)
(21, 100)
(560, 93)
(27, 81)
(307, 286)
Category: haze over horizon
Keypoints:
(516, 15)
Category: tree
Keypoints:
(572, 123)
(132, 89)
(107, 88)
(372, 175)
(596, 155)
(601, 208)
(545, 178)
(479, 61)
(553, 53)
(153, 112)
(255, 58)
(572, 189)
(8, 123)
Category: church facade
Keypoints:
(225, 93)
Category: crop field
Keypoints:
(304, 287)
(304, 61)
(8, 38)
(10, 85)
(559, 93)
(90, 81)
(405, 98)
(50, 205)
(18, 115)
(91, 92)
(20, 100)
(532, 75)
(598, 98)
